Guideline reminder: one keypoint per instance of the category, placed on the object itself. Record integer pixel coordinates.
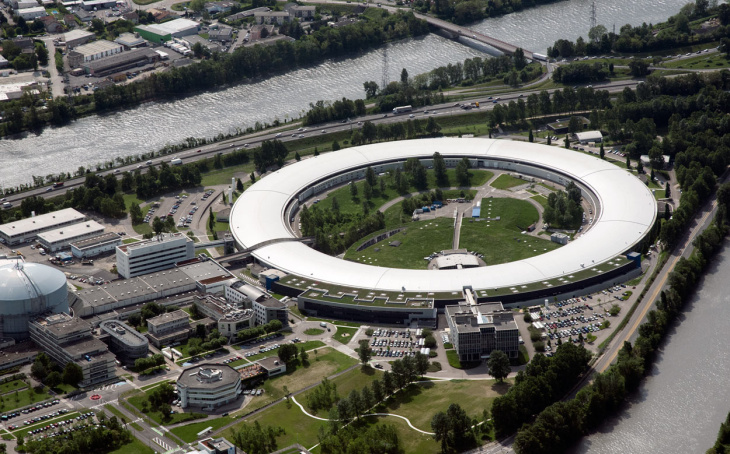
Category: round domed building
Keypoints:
(28, 290)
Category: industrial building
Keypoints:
(92, 51)
(209, 275)
(215, 446)
(589, 137)
(90, 5)
(68, 339)
(28, 229)
(91, 247)
(27, 291)
(208, 386)
(230, 318)
(159, 33)
(176, 283)
(30, 14)
(160, 253)
(61, 238)
(130, 40)
(478, 329)
(168, 328)
(559, 238)
(272, 365)
(76, 38)
(454, 259)
(123, 340)
(121, 62)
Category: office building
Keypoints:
(61, 238)
(208, 386)
(28, 229)
(230, 319)
(67, 339)
(168, 328)
(123, 340)
(478, 329)
(159, 253)
(98, 244)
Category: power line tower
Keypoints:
(593, 15)
(384, 81)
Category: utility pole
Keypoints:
(593, 15)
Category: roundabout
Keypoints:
(625, 212)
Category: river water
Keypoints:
(149, 127)
(680, 405)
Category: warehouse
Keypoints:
(158, 33)
(91, 247)
(61, 238)
(121, 62)
(76, 38)
(93, 51)
(31, 13)
(28, 229)
(89, 5)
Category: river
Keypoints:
(149, 127)
(682, 402)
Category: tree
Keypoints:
(667, 191)
(567, 142)
(432, 127)
(287, 352)
(158, 225)
(252, 177)
(353, 190)
(602, 153)
(498, 364)
(596, 33)
(462, 172)
(72, 374)
(530, 138)
(364, 352)
(303, 355)
(239, 185)
(335, 145)
(53, 379)
(440, 427)
(297, 157)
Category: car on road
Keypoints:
(202, 150)
(277, 135)
(49, 189)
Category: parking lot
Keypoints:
(182, 207)
(393, 343)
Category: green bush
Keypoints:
(539, 346)
(615, 309)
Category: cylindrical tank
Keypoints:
(28, 290)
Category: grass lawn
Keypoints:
(703, 61)
(453, 358)
(135, 447)
(138, 400)
(541, 199)
(189, 433)
(506, 181)
(419, 402)
(501, 241)
(344, 335)
(357, 378)
(349, 204)
(24, 399)
(12, 386)
(136, 426)
(110, 408)
(313, 331)
(418, 240)
(324, 363)
(395, 217)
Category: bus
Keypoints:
(402, 109)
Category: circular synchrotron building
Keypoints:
(625, 211)
(28, 290)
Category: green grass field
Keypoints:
(135, 447)
(702, 61)
(418, 240)
(25, 398)
(324, 363)
(344, 335)
(313, 331)
(506, 181)
(501, 241)
(395, 217)
(12, 386)
(357, 378)
(309, 345)
(189, 432)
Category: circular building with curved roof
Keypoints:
(625, 213)
(28, 290)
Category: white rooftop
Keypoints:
(589, 135)
(70, 232)
(48, 220)
(174, 26)
(76, 34)
(627, 212)
(96, 47)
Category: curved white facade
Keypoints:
(627, 213)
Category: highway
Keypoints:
(290, 133)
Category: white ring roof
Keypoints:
(628, 210)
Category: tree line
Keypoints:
(467, 11)
(676, 32)
(563, 210)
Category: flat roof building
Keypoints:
(68, 339)
(121, 62)
(230, 318)
(55, 240)
(123, 340)
(270, 308)
(208, 386)
(95, 245)
(216, 446)
(559, 238)
(456, 261)
(478, 329)
(95, 50)
(32, 13)
(27, 229)
(168, 328)
(272, 365)
(76, 38)
(589, 136)
(130, 40)
(159, 253)
(159, 33)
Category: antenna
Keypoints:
(384, 80)
(593, 15)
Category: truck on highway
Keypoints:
(540, 57)
(58, 184)
(176, 161)
(402, 109)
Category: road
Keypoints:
(285, 134)
(56, 79)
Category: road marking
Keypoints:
(162, 443)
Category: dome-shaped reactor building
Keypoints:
(28, 290)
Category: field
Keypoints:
(189, 432)
(344, 335)
(25, 398)
(135, 447)
(418, 240)
(505, 181)
(349, 204)
(501, 241)
(394, 215)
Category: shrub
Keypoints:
(615, 309)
